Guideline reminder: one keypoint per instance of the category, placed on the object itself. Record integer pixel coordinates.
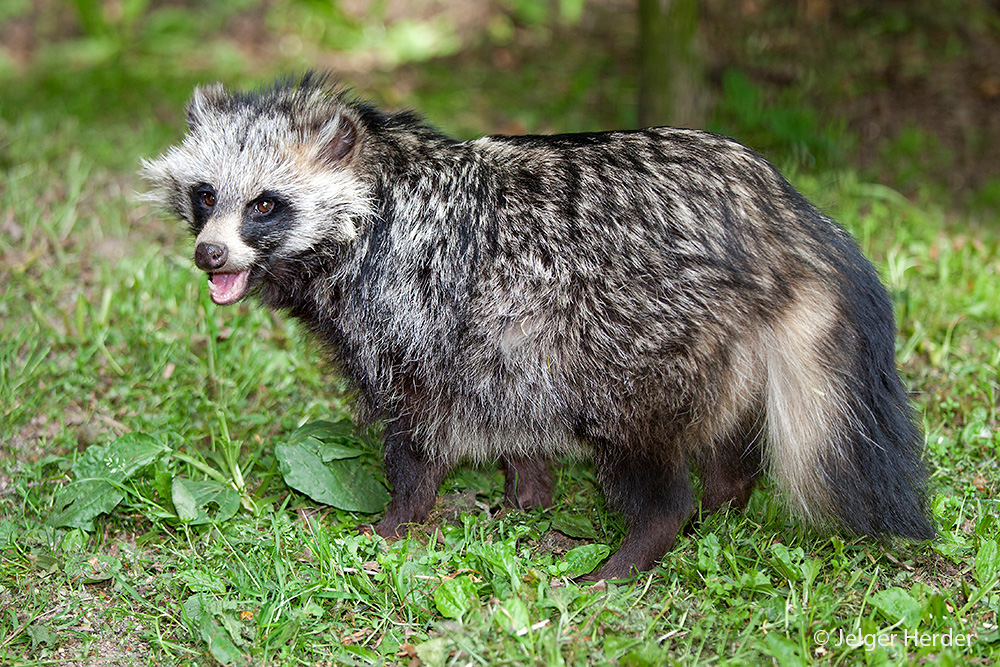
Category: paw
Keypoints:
(390, 528)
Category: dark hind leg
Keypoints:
(527, 484)
(654, 495)
(415, 482)
(730, 471)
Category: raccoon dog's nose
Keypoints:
(210, 256)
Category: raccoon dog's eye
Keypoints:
(203, 196)
(267, 207)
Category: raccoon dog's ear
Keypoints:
(204, 98)
(336, 140)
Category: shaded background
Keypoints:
(906, 91)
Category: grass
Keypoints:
(106, 329)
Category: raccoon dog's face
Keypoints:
(261, 180)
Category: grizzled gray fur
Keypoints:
(660, 299)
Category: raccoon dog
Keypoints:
(660, 299)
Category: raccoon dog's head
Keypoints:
(263, 178)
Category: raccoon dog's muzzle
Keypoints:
(224, 287)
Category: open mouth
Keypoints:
(226, 288)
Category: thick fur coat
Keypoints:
(662, 299)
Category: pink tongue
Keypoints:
(227, 287)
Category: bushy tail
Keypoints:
(840, 431)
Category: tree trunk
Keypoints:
(671, 81)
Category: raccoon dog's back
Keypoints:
(662, 298)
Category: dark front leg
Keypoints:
(527, 484)
(415, 482)
(655, 497)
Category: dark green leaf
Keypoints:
(211, 630)
(329, 440)
(40, 634)
(987, 562)
(454, 596)
(184, 503)
(784, 562)
(586, 558)
(77, 503)
(784, 651)
(99, 475)
(120, 459)
(344, 484)
(513, 615)
(193, 501)
(895, 605)
(709, 553)
(577, 526)
(202, 581)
